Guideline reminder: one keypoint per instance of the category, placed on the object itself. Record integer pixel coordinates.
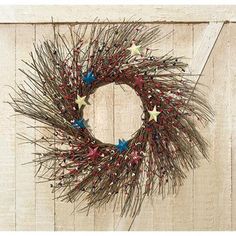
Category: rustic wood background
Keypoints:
(207, 201)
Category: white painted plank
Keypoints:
(103, 122)
(25, 181)
(232, 40)
(212, 181)
(205, 187)
(7, 127)
(44, 197)
(162, 205)
(222, 132)
(127, 120)
(84, 221)
(64, 211)
(87, 13)
(183, 201)
(205, 47)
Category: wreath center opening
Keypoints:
(114, 112)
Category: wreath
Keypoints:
(65, 72)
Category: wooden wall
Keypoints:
(207, 201)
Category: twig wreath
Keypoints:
(65, 72)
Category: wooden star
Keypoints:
(79, 124)
(135, 49)
(93, 153)
(89, 78)
(135, 157)
(81, 101)
(122, 145)
(139, 82)
(153, 114)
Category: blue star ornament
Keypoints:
(89, 78)
(122, 145)
(79, 124)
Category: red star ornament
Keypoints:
(135, 158)
(93, 153)
(139, 82)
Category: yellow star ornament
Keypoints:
(135, 49)
(153, 114)
(80, 101)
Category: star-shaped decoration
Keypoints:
(135, 49)
(139, 82)
(80, 101)
(135, 157)
(89, 78)
(122, 145)
(93, 153)
(153, 114)
(79, 123)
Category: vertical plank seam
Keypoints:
(172, 47)
(193, 180)
(199, 71)
(35, 179)
(74, 215)
(230, 114)
(113, 137)
(72, 28)
(175, 213)
(94, 128)
(15, 127)
(216, 227)
(230, 117)
(54, 194)
(35, 188)
(173, 196)
(113, 112)
(192, 172)
(231, 123)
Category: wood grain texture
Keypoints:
(116, 13)
(64, 212)
(8, 132)
(203, 51)
(45, 204)
(204, 190)
(222, 131)
(127, 120)
(232, 65)
(162, 206)
(85, 220)
(206, 201)
(104, 130)
(183, 213)
(25, 180)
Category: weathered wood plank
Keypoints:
(103, 130)
(84, 221)
(25, 181)
(204, 177)
(127, 120)
(162, 205)
(203, 51)
(203, 203)
(222, 132)
(85, 13)
(64, 211)
(44, 197)
(7, 126)
(183, 201)
(232, 56)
